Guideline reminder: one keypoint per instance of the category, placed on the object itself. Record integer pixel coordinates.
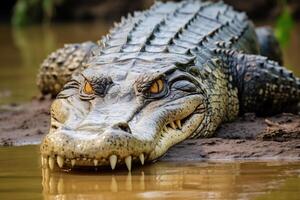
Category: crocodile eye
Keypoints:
(88, 89)
(157, 86)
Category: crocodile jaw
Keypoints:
(150, 138)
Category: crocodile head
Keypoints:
(118, 114)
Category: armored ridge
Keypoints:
(171, 32)
(176, 32)
(175, 71)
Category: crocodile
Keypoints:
(175, 71)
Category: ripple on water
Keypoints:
(21, 177)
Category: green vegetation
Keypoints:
(284, 25)
(30, 11)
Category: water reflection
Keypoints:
(33, 45)
(165, 180)
(23, 50)
(21, 177)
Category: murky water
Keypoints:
(21, 177)
(22, 51)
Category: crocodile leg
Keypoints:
(60, 65)
(264, 86)
(268, 44)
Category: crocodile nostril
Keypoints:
(123, 126)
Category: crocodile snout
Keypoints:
(115, 146)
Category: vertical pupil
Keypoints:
(160, 85)
(157, 86)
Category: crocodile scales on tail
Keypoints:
(175, 71)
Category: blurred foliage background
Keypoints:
(284, 23)
(27, 12)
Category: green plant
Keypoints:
(29, 11)
(284, 25)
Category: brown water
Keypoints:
(22, 51)
(21, 177)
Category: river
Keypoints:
(22, 177)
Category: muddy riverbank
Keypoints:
(249, 137)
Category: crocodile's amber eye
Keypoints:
(88, 89)
(157, 86)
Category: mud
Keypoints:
(249, 137)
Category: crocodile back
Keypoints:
(177, 32)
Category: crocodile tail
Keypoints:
(265, 87)
(60, 65)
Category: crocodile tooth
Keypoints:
(113, 161)
(142, 158)
(44, 161)
(178, 123)
(95, 162)
(173, 125)
(60, 161)
(51, 163)
(128, 162)
(73, 161)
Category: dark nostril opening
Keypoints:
(54, 127)
(124, 127)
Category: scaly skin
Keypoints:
(58, 68)
(175, 71)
